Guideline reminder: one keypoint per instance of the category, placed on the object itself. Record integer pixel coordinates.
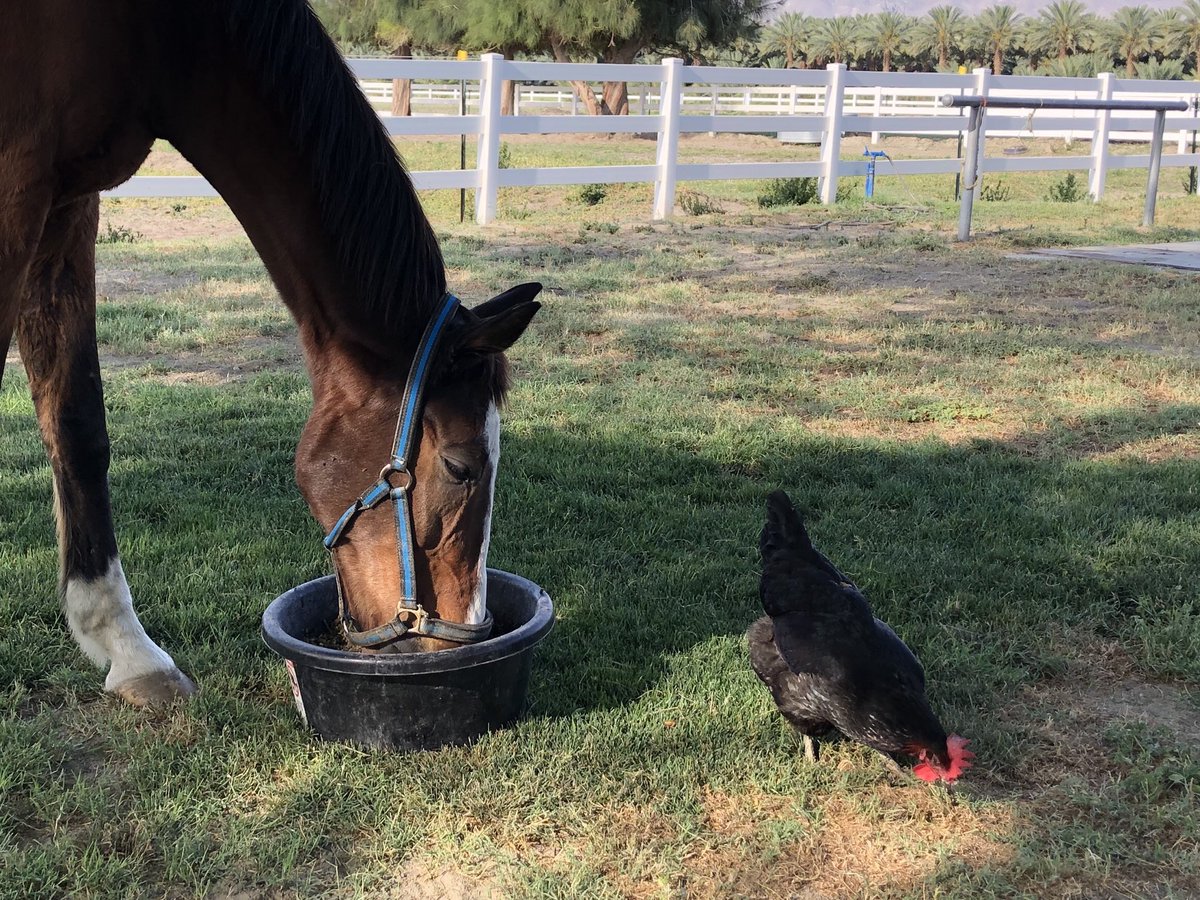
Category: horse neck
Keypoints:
(224, 114)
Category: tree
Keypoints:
(888, 33)
(837, 39)
(403, 25)
(1161, 70)
(790, 35)
(611, 31)
(1185, 34)
(941, 31)
(349, 22)
(996, 29)
(1060, 29)
(398, 40)
(1131, 35)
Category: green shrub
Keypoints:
(697, 204)
(1069, 190)
(591, 194)
(789, 192)
(118, 235)
(994, 193)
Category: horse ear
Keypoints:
(499, 331)
(514, 295)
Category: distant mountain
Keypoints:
(829, 8)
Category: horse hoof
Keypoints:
(156, 688)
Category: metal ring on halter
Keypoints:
(386, 473)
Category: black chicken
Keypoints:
(830, 664)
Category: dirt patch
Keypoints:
(116, 281)
(1105, 689)
(1156, 705)
(213, 365)
(418, 880)
(885, 842)
(169, 220)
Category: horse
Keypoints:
(256, 96)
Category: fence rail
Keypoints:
(671, 99)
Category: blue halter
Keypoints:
(411, 617)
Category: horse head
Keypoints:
(442, 492)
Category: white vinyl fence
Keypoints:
(671, 99)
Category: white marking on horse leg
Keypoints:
(477, 612)
(100, 614)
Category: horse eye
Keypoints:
(458, 472)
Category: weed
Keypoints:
(591, 194)
(117, 234)
(945, 412)
(926, 241)
(697, 204)
(789, 192)
(1068, 190)
(603, 227)
(504, 158)
(848, 189)
(994, 193)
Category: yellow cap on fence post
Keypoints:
(461, 55)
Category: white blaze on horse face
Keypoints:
(100, 613)
(478, 610)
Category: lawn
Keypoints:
(1005, 455)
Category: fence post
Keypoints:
(831, 141)
(488, 153)
(668, 138)
(1156, 147)
(983, 77)
(971, 172)
(1099, 172)
(878, 111)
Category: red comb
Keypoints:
(960, 761)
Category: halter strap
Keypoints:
(395, 481)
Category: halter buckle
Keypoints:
(416, 618)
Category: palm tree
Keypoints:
(1130, 34)
(1161, 70)
(837, 39)
(942, 30)
(888, 32)
(1189, 33)
(996, 28)
(789, 35)
(1061, 28)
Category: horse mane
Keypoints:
(368, 207)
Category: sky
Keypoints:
(829, 8)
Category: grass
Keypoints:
(1002, 453)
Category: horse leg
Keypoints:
(56, 329)
(22, 218)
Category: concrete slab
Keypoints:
(1181, 255)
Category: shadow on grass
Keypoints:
(976, 553)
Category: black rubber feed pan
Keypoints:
(409, 701)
